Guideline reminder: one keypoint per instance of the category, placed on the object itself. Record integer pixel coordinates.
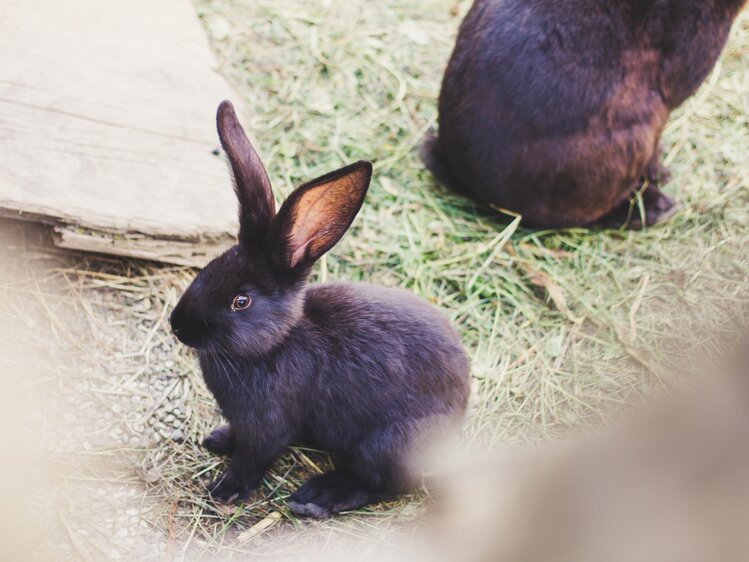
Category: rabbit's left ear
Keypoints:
(318, 213)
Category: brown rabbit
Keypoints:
(554, 108)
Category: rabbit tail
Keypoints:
(434, 159)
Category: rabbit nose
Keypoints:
(174, 321)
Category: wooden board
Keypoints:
(107, 127)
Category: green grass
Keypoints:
(562, 326)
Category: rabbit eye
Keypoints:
(240, 302)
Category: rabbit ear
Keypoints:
(256, 205)
(317, 214)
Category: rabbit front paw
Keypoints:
(229, 487)
(220, 441)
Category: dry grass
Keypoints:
(562, 326)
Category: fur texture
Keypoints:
(554, 108)
(360, 370)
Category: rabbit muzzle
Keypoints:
(190, 330)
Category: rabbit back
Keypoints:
(384, 355)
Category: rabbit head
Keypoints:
(244, 302)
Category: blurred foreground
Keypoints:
(671, 483)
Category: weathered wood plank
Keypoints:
(107, 123)
(194, 254)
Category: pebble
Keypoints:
(178, 436)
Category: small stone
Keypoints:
(218, 26)
(178, 436)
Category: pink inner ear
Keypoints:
(298, 253)
(321, 216)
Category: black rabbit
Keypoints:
(360, 370)
(554, 108)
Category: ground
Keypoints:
(562, 326)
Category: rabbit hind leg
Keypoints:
(333, 492)
(658, 207)
(374, 472)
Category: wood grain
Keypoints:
(107, 122)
